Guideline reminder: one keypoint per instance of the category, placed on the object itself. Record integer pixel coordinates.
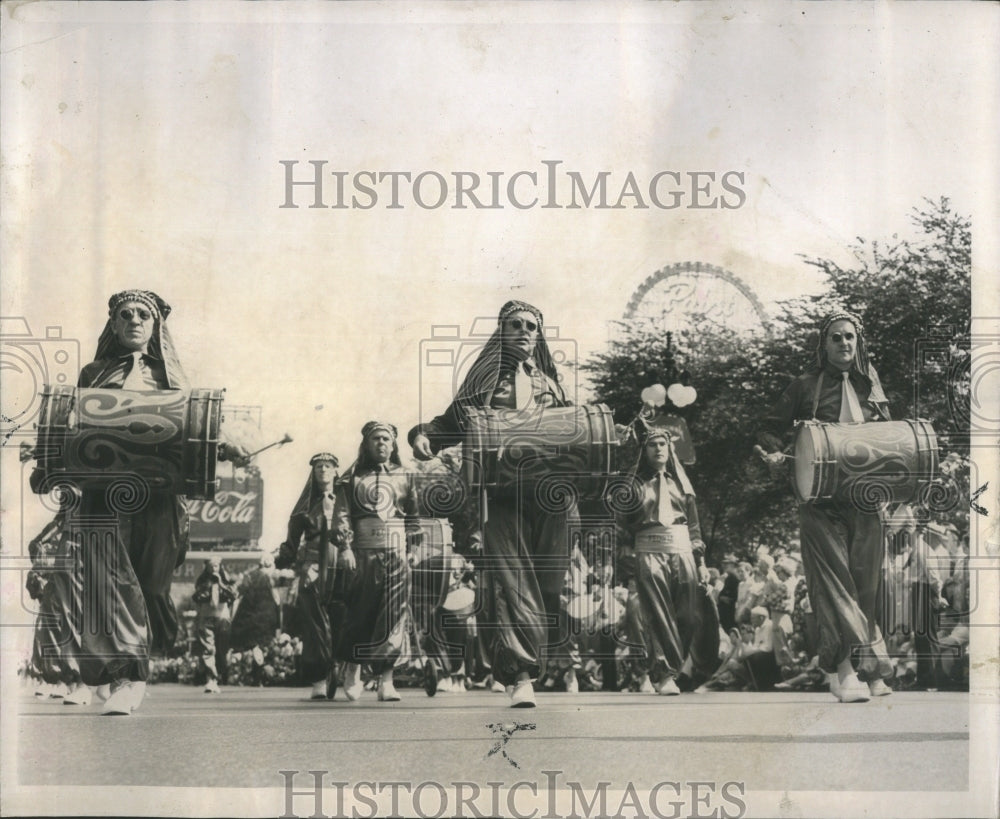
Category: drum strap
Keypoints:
(819, 386)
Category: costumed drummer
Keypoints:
(309, 549)
(376, 526)
(126, 577)
(526, 547)
(842, 547)
(680, 620)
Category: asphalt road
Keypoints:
(243, 737)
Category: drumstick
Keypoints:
(286, 440)
(764, 455)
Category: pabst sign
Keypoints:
(234, 514)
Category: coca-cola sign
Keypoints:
(234, 514)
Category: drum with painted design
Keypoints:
(541, 448)
(168, 438)
(865, 464)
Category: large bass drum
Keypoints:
(864, 464)
(168, 438)
(508, 450)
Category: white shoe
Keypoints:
(834, 682)
(42, 692)
(878, 688)
(352, 682)
(138, 694)
(668, 688)
(387, 691)
(522, 695)
(646, 686)
(212, 687)
(572, 685)
(58, 691)
(318, 690)
(458, 685)
(102, 692)
(853, 690)
(79, 694)
(445, 686)
(121, 701)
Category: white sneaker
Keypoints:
(458, 685)
(646, 686)
(668, 688)
(878, 688)
(445, 686)
(352, 681)
(318, 690)
(42, 692)
(853, 690)
(387, 691)
(102, 692)
(138, 693)
(572, 685)
(522, 695)
(58, 691)
(834, 682)
(212, 687)
(79, 694)
(121, 701)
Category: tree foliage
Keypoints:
(914, 298)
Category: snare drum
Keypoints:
(865, 464)
(169, 438)
(505, 450)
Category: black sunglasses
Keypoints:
(126, 313)
(517, 324)
(836, 338)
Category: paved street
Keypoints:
(243, 737)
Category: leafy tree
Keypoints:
(914, 298)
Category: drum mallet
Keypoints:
(286, 440)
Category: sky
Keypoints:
(142, 147)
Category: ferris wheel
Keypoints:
(688, 294)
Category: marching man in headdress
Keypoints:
(680, 620)
(376, 513)
(526, 547)
(125, 579)
(842, 547)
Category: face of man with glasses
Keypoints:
(520, 334)
(133, 325)
(841, 342)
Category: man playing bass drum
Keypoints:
(841, 544)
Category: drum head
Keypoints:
(805, 466)
(460, 600)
